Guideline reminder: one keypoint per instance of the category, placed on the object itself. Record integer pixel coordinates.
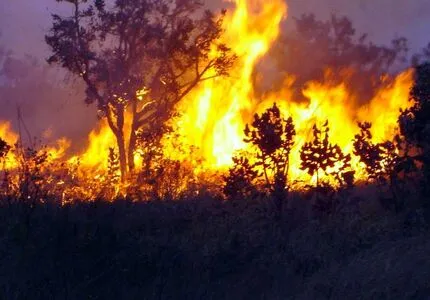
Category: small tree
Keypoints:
(240, 181)
(320, 157)
(378, 159)
(318, 45)
(383, 162)
(138, 59)
(414, 122)
(273, 138)
(4, 149)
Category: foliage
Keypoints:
(4, 149)
(161, 177)
(414, 122)
(241, 179)
(138, 59)
(316, 46)
(320, 155)
(384, 162)
(379, 159)
(273, 138)
(414, 125)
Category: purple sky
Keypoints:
(24, 22)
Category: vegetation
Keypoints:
(171, 234)
(316, 46)
(138, 59)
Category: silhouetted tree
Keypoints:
(383, 162)
(414, 122)
(318, 45)
(273, 139)
(138, 59)
(421, 58)
(378, 159)
(4, 149)
(240, 181)
(320, 157)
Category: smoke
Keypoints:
(383, 20)
(24, 22)
(60, 108)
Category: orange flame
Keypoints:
(11, 138)
(213, 116)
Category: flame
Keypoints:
(94, 158)
(11, 138)
(213, 116)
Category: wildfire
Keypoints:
(213, 116)
(10, 138)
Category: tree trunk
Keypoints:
(131, 149)
(133, 138)
(122, 155)
(119, 134)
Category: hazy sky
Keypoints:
(24, 22)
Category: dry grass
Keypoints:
(208, 249)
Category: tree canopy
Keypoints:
(138, 58)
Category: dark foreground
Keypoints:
(208, 249)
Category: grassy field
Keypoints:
(209, 249)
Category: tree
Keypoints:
(384, 162)
(320, 157)
(138, 59)
(316, 46)
(273, 138)
(414, 122)
(378, 159)
(241, 179)
(4, 149)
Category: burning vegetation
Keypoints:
(184, 101)
(228, 152)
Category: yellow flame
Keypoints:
(11, 138)
(213, 116)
